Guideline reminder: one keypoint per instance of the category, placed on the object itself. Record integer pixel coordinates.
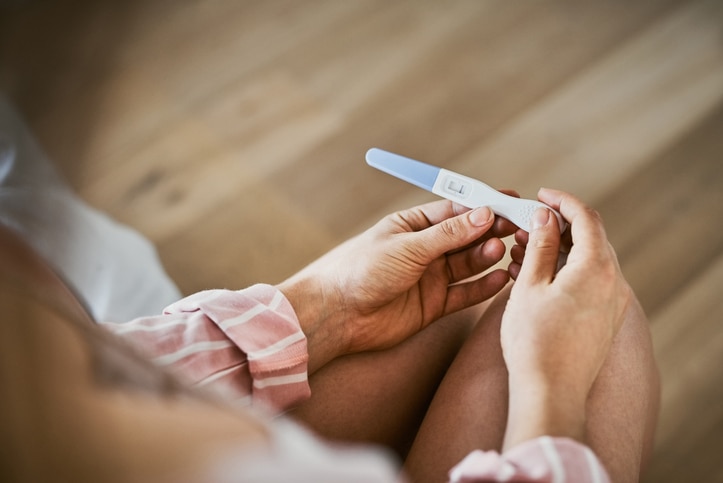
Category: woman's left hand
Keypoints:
(379, 288)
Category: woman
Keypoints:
(384, 340)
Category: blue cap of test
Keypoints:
(410, 170)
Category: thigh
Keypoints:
(622, 408)
(469, 410)
(382, 397)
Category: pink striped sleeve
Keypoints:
(544, 459)
(245, 344)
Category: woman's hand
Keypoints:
(558, 327)
(410, 269)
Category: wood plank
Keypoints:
(351, 64)
(664, 220)
(255, 238)
(688, 337)
(217, 158)
(122, 71)
(233, 134)
(266, 122)
(601, 125)
(466, 94)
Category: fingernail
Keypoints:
(480, 216)
(540, 218)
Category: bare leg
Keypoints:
(470, 408)
(624, 402)
(382, 397)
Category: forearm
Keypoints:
(320, 317)
(246, 344)
(537, 408)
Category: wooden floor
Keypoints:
(233, 135)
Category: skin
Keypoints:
(63, 419)
(558, 327)
(548, 357)
(392, 281)
(396, 355)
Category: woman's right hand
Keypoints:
(558, 326)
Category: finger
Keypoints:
(502, 228)
(542, 249)
(514, 270)
(451, 234)
(586, 227)
(424, 216)
(421, 217)
(475, 260)
(566, 241)
(510, 192)
(521, 237)
(517, 253)
(467, 294)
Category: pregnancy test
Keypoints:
(461, 189)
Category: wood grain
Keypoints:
(233, 133)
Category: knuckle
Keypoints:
(450, 228)
(541, 244)
(415, 254)
(399, 218)
(594, 215)
(542, 240)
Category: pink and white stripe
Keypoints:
(543, 459)
(246, 344)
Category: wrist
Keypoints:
(538, 408)
(320, 319)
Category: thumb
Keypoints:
(543, 247)
(452, 233)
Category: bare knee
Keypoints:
(381, 397)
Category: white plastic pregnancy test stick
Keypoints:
(466, 191)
